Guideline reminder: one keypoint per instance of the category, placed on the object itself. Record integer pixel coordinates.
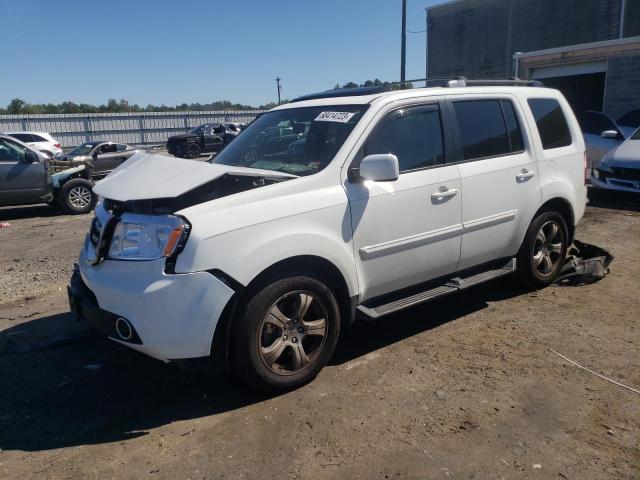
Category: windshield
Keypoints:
(630, 119)
(81, 149)
(636, 135)
(299, 141)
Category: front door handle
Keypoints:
(525, 175)
(439, 196)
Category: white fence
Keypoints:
(135, 127)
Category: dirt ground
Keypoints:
(463, 387)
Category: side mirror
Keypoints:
(381, 167)
(95, 153)
(31, 157)
(610, 134)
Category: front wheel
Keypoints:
(543, 250)
(285, 333)
(76, 196)
(193, 150)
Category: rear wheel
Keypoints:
(76, 196)
(285, 334)
(193, 150)
(544, 249)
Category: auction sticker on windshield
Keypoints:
(342, 117)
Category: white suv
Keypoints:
(41, 141)
(366, 204)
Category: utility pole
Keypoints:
(278, 83)
(403, 52)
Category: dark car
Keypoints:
(278, 141)
(102, 157)
(207, 138)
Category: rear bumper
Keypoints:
(172, 316)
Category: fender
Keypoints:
(61, 177)
(557, 190)
(255, 248)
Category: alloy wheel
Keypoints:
(79, 197)
(293, 332)
(547, 248)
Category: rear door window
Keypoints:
(483, 129)
(551, 122)
(38, 138)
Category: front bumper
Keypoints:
(173, 316)
(611, 183)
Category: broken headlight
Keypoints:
(147, 237)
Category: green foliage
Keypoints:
(19, 106)
(374, 83)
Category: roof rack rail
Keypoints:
(442, 81)
(487, 82)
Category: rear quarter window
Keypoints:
(551, 122)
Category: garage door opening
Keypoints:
(583, 92)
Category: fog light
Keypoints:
(123, 329)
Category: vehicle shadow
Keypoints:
(29, 211)
(96, 391)
(615, 200)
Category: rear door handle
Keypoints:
(525, 175)
(439, 196)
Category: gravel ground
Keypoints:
(463, 387)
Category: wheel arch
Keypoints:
(312, 265)
(563, 207)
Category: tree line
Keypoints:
(18, 106)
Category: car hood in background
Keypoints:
(148, 176)
(626, 155)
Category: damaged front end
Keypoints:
(157, 184)
(136, 219)
(225, 185)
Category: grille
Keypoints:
(626, 173)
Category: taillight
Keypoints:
(57, 145)
(586, 170)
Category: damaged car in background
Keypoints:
(374, 203)
(207, 138)
(101, 157)
(619, 168)
(28, 176)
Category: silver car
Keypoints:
(619, 169)
(601, 134)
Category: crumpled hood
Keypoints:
(147, 176)
(626, 155)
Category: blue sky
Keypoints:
(200, 51)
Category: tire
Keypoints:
(193, 150)
(76, 196)
(285, 333)
(543, 250)
(250, 155)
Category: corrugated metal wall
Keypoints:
(136, 128)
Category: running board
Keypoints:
(450, 286)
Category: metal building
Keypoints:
(589, 49)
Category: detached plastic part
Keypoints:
(585, 264)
